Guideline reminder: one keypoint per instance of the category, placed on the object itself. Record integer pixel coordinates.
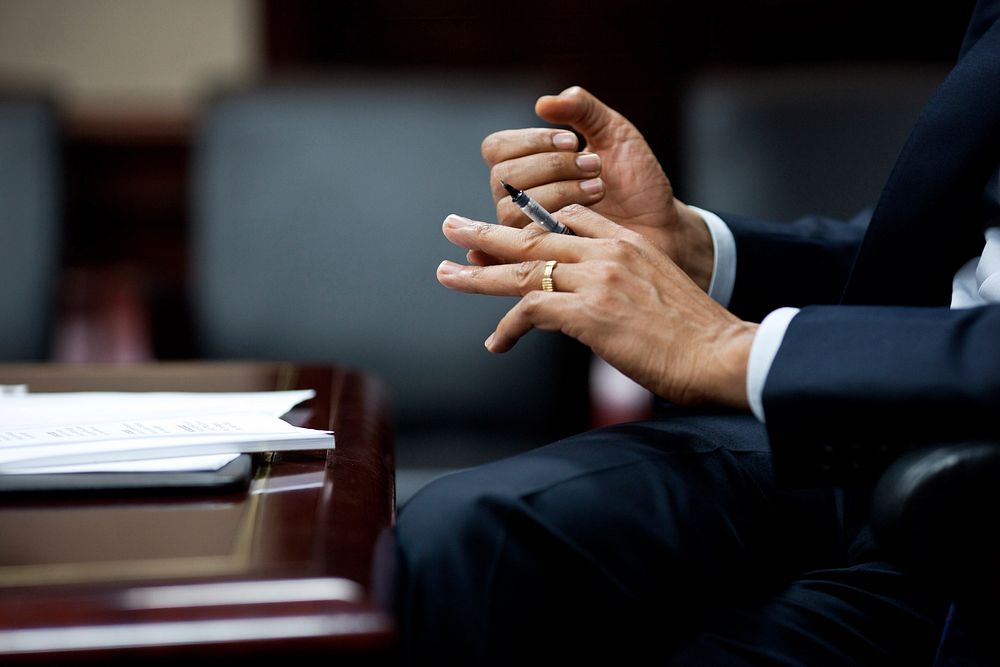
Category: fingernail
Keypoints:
(489, 341)
(448, 268)
(592, 186)
(564, 140)
(588, 161)
(456, 221)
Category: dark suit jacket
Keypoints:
(885, 365)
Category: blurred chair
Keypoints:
(781, 143)
(318, 214)
(29, 210)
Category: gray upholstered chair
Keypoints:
(29, 206)
(781, 143)
(318, 214)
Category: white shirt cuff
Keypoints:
(724, 253)
(762, 353)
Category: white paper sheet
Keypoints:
(69, 408)
(146, 431)
(208, 462)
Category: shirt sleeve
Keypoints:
(763, 350)
(772, 328)
(724, 254)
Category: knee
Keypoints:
(447, 537)
(448, 520)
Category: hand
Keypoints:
(616, 293)
(616, 175)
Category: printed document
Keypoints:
(145, 432)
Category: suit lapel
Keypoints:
(927, 222)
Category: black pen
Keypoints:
(533, 210)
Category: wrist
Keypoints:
(731, 357)
(694, 251)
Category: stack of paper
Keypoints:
(155, 431)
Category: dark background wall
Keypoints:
(636, 54)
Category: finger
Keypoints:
(542, 310)
(537, 169)
(609, 242)
(588, 223)
(532, 242)
(579, 109)
(510, 144)
(516, 279)
(479, 258)
(552, 197)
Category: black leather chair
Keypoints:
(933, 512)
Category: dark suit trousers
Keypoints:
(666, 538)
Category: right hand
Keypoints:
(616, 174)
(617, 294)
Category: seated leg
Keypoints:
(864, 612)
(618, 540)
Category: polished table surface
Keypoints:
(285, 568)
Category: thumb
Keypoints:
(584, 113)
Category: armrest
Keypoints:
(934, 512)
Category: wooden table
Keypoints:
(284, 570)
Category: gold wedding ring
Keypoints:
(547, 284)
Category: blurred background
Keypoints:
(266, 178)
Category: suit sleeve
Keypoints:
(852, 387)
(795, 263)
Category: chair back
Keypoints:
(780, 144)
(29, 210)
(318, 214)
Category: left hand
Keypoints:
(615, 292)
(625, 180)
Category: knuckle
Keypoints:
(485, 231)
(534, 237)
(554, 161)
(621, 249)
(530, 303)
(476, 274)
(637, 240)
(507, 215)
(609, 273)
(498, 172)
(524, 274)
(601, 301)
(563, 192)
